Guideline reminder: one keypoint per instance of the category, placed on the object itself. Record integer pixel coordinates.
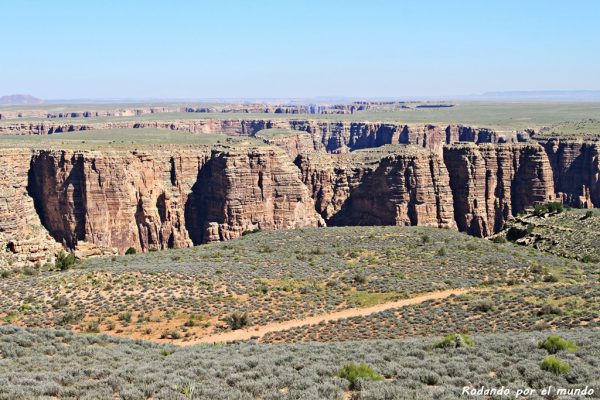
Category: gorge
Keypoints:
(307, 174)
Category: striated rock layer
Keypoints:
(103, 202)
(148, 199)
(576, 169)
(491, 183)
(23, 239)
(391, 185)
(328, 136)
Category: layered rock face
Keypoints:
(328, 136)
(103, 202)
(115, 199)
(576, 169)
(391, 185)
(22, 237)
(240, 190)
(149, 199)
(491, 183)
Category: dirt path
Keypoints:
(260, 331)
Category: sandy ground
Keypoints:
(259, 331)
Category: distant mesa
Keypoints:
(20, 99)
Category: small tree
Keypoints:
(130, 250)
(64, 261)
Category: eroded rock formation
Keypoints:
(147, 199)
(328, 136)
(491, 183)
(105, 201)
(390, 185)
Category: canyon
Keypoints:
(292, 174)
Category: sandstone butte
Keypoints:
(105, 201)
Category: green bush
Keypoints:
(499, 239)
(125, 317)
(130, 250)
(455, 340)
(554, 343)
(550, 278)
(237, 320)
(551, 207)
(352, 372)
(64, 261)
(554, 365)
(589, 259)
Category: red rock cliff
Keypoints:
(390, 185)
(491, 183)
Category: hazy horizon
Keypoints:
(182, 50)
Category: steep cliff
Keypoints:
(491, 183)
(115, 199)
(244, 189)
(390, 185)
(328, 136)
(149, 199)
(104, 201)
(23, 239)
(576, 169)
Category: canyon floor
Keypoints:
(245, 251)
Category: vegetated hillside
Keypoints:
(186, 294)
(51, 364)
(528, 308)
(572, 233)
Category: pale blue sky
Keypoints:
(205, 49)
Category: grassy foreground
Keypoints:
(51, 364)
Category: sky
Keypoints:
(65, 49)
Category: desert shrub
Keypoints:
(125, 317)
(554, 365)
(266, 249)
(549, 309)
(550, 207)
(484, 306)
(237, 320)
(554, 343)
(455, 340)
(130, 251)
(471, 247)
(64, 261)
(250, 231)
(589, 259)
(352, 372)
(360, 278)
(550, 278)
(69, 318)
(499, 239)
(441, 252)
